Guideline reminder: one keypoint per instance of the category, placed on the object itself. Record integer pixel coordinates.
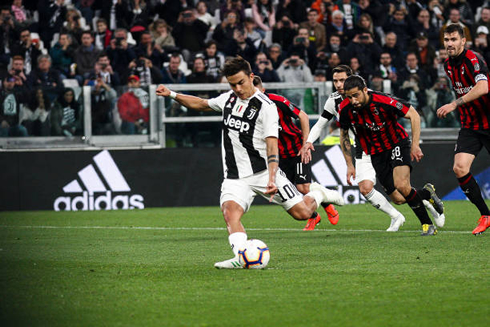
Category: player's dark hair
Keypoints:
(451, 28)
(257, 80)
(236, 65)
(342, 69)
(354, 81)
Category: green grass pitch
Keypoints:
(154, 267)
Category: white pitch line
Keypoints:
(222, 228)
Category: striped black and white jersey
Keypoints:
(246, 125)
(332, 106)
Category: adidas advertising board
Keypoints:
(98, 187)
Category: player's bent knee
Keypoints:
(460, 170)
(303, 188)
(300, 212)
(231, 211)
(365, 189)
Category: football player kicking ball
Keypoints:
(250, 155)
(290, 142)
(365, 174)
(372, 116)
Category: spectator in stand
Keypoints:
(400, 25)
(235, 6)
(169, 10)
(10, 102)
(413, 8)
(386, 70)
(437, 96)
(85, 57)
(253, 34)
(365, 25)
(316, 31)
(302, 46)
(149, 49)
(439, 63)
(483, 21)
(27, 49)
(366, 50)
(223, 34)
(426, 54)
(172, 74)
(481, 42)
(62, 55)
(464, 9)
(73, 25)
(199, 74)
(65, 115)
(52, 15)
(294, 9)
(103, 70)
(436, 12)
(189, 34)
(333, 60)
(103, 35)
(275, 55)
(455, 18)
(412, 68)
(18, 72)
(284, 32)
(325, 9)
(121, 53)
(134, 13)
(263, 68)
(411, 90)
(7, 37)
(265, 17)
(357, 67)
(295, 70)
(46, 78)
(21, 16)
(161, 34)
(133, 108)
(241, 46)
(112, 11)
(351, 11)
(203, 15)
(214, 60)
(102, 99)
(34, 117)
(335, 46)
(423, 24)
(375, 9)
(338, 26)
(145, 70)
(391, 47)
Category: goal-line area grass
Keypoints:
(154, 267)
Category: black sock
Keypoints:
(415, 202)
(324, 205)
(314, 215)
(471, 189)
(424, 194)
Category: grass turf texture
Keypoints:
(102, 269)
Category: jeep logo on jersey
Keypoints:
(236, 124)
(99, 190)
(331, 172)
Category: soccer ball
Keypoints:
(254, 255)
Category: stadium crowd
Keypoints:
(49, 48)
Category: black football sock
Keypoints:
(324, 205)
(415, 202)
(471, 189)
(424, 194)
(314, 215)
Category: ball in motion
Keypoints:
(254, 255)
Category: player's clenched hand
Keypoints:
(271, 189)
(416, 153)
(305, 152)
(162, 91)
(351, 173)
(445, 109)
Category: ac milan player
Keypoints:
(290, 142)
(469, 75)
(372, 116)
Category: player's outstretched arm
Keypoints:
(346, 151)
(415, 152)
(314, 134)
(273, 164)
(481, 88)
(186, 100)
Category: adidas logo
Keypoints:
(107, 180)
(331, 172)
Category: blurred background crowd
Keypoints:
(50, 48)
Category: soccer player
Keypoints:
(372, 116)
(290, 142)
(365, 174)
(250, 155)
(469, 75)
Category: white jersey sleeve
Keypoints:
(218, 103)
(271, 120)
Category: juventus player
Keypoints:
(250, 155)
(290, 142)
(470, 77)
(365, 174)
(372, 116)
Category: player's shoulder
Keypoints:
(263, 98)
(344, 105)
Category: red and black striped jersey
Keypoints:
(290, 136)
(465, 71)
(375, 125)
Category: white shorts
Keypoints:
(365, 169)
(244, 190)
